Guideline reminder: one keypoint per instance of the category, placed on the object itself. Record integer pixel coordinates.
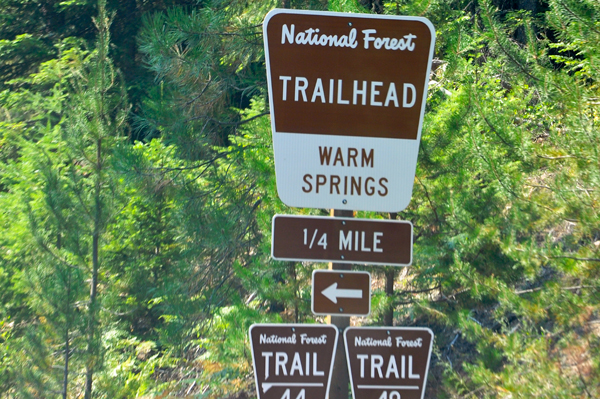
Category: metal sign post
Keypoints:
(341, 378)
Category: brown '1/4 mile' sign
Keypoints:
(326, 239)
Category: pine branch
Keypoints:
(48, 250)
(430, 202)
(183, 168)
(560, 157)
(575, 258)
(473, 392)
(202, 91)
(403, 292)
(492, 127)
(577, 17)
(493, 168)
(242, 122)
(491, 23)
(574, 288)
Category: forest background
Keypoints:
(137, 190)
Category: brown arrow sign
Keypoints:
(342, 293)
(388, 362)
(349, 240)
(293, 361)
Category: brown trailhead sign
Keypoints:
(343, 293)
(347, 74)
(347, 96)
(388, 362)
(350, 240)
(293, 361)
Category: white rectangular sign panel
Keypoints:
(347, 96)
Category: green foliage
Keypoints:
(345, 6)
(174, 231)
(504, 203)
(31, 29)
(61, 196)
(227, 360)
(205, 62)
(43, 282)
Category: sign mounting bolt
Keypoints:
(342, 257)
(341, 309)
(344, 202)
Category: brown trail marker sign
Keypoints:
(293, 361)
(347, 96)
(348, 240)
(388, 362)
(343, 293)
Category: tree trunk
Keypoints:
(388, 314)
(67, 326)
(92, 347)
(67, 348)
(390, 274)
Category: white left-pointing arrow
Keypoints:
(333, 293)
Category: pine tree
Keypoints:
(63, 180)
(93, 129)
(42, 313)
